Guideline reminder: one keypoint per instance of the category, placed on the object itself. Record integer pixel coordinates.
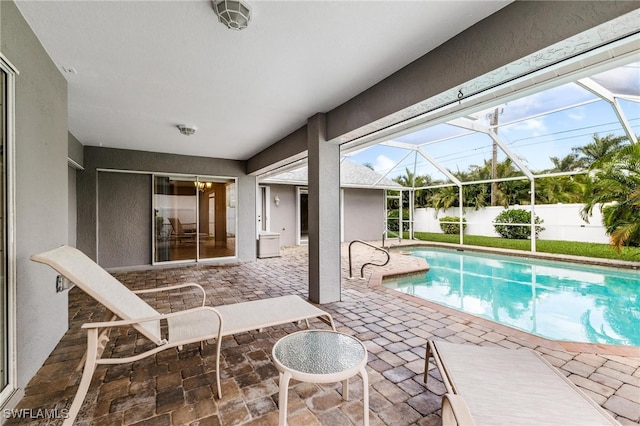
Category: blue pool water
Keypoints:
(557, 300)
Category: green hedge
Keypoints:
(520, 218)
(452, 228)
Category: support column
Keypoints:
(324, 213)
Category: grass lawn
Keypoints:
(604, 251)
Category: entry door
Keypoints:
(303, 216)
(264, 195)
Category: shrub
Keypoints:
(452, 228)
(393, 224)
(516, 216)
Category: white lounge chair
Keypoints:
(189, 326)
(180, 234)
(497, 386)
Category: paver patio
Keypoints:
(177, 388)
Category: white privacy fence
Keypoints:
(561, 222)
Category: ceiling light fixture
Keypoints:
(202, 186)
(235, 14)
(186, 129)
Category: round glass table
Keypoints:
(320, 356)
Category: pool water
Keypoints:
(556, 300)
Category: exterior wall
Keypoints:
(41, 189)
(137, 250)
(561, 222)
(363, 214)
(283, 217)
(124, 206)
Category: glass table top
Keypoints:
(319, 352)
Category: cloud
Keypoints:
(534, 126)
(383, 164)
(577, 115)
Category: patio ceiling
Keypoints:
(137, 69)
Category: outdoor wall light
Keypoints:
(235, 14)
(276, 200)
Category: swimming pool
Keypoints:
(556, 300)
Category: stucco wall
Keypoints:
(137, 249)
(41, 189)
(124, 203)
(363, 214)
(283, 217)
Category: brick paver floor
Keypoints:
(177, 387)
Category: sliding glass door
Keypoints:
(194, 218)
(7, 234)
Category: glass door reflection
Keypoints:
(217, 219)
(194, 218)
(175, 219)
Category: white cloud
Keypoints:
(383, 164)
(577, 115)
(535, 126)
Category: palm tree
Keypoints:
(511, 191)
(422, 195)
(444, 198)
(559, 189)
(476, 196)
(615, 186)
(411, 180)
(568, 163)
(407, 180)
(600, 148)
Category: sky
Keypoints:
(550, 130)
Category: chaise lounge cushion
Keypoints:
(511, 387)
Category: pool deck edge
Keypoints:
(522, 253)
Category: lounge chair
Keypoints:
(194, 325)
(497, 386)
(180, 234)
